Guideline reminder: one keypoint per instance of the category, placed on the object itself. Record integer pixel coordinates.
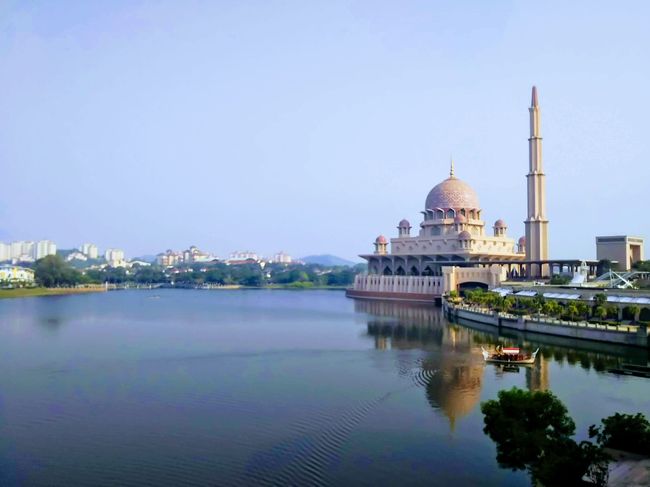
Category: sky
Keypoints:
(312, 127)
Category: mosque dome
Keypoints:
(464, 235)
(404, 223)
(460, 219)
(381, 240)
(522, 241)
(452, 193)
(500, 224)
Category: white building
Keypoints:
(43, 248)
(114, 257)
(22, 250)
(5, 252)
(16, 275)
(26, 250)
(240, 255)
(281, 258)
(89, 250)
(169, 258)
(76, 256)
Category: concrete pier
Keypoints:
(636, 336)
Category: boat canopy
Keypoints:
(511, 350)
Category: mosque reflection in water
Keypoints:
(451, 371)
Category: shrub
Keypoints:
(629, 432)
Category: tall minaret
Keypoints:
(536, 223)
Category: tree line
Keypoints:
(53, 271)
(569, 310)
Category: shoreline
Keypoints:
(63, 291)
(35, 292)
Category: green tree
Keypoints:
(551, 308)
(521, 423)
(642, 265)
(600, 312)
(572, 311)
(612, 311)
(629, 432)
(53, 271)
(600, 299)
(532, 431)
(583, 310)
(634, 311)
(508, 303)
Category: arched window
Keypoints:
(450, 213)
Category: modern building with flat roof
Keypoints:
(623, 249)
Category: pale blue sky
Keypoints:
(311, 126)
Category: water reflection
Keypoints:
(452, 370)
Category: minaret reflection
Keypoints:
(452, 371)
(537, 375)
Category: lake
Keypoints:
(269, 387)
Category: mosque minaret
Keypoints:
(536, 223)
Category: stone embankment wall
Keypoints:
(637, 336)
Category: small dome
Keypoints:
(404, 223)
(522, 241)
(460, 219)
(452, 193)
(464, 235)
(381, 240)
(500, 224)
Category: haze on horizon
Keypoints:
(312, 127)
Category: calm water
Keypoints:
(267, 387)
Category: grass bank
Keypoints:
(46, 291)
(301, 286)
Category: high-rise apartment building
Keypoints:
(89, 250)
(114, 257)
(43, 248)
(5, 252)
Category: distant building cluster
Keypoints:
(193, 255)
(88, 255)
(26, 250)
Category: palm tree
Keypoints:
(600, 299)
(634, 310)
(572, 311)
(583, 310)
(600, 312)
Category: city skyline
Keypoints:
(275, 123)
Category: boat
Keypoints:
(509, 356)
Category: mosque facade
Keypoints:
(453, 245)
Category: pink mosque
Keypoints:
(452, 247)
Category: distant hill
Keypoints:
(327, 260)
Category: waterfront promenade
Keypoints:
(622, 334)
